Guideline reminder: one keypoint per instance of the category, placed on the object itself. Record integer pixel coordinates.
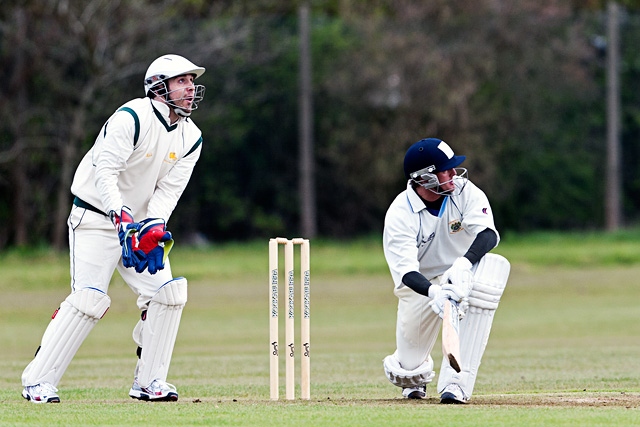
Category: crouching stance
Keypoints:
(437, 238)
(125, 190)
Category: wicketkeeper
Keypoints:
(437, 235)
(125, 190)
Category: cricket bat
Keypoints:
(450, 337)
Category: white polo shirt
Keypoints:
(416, 240)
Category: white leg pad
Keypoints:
(157, 334)
(69, 327)
(401, 377)
(490, 279)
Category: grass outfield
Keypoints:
(564, 349)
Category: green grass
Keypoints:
(564, 348)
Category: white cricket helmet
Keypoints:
(167, 67)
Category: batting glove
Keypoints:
(126, 228)
(439, 299)
(458, 279)
(459, 266)
(154, 244)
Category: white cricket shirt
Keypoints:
(416, 240)
(139, 160)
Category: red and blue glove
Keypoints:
(154, 244)
(126, 228)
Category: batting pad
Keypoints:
(69, 327)
(400, 377)
(490, 279)
(159, 331)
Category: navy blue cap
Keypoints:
(430, 152)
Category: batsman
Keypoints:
(437, 236)
(125, 189)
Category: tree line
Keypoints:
(517, 86)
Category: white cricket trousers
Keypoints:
(417, 328)
(95, 253)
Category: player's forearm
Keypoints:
(107, 187)
(169, 190)
(484, 242)
(417, 282)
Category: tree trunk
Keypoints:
(68, 158)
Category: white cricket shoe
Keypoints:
(453, 394)
(158, 391)
(415, 392)
(41, 393)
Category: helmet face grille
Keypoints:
(198, 95)
(425, 177)
(431, 182)
(430, 153)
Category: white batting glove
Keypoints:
(459, 265)
(458, 279)
(439, 297)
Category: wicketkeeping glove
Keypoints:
(154, 244)
(126, 228)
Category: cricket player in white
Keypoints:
(437, 235)
(130, 180)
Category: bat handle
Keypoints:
(455, 313)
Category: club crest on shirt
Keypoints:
(171, 157)
(455, 226)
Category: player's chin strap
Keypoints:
(489, 280)
(401, 377)
(156, 332)
(180, 112)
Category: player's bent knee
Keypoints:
(401, 377)
(172, 293)
(90, 302)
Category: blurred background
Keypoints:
(311, 105)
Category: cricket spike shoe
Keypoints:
(158, 391)
(453, 394)
(414, 392)
(41, 393)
